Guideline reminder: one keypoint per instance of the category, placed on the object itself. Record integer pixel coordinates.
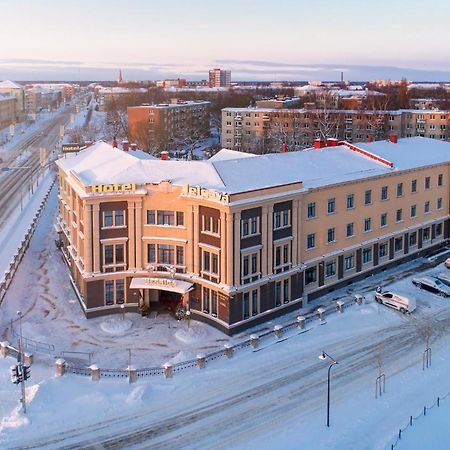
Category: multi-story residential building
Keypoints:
(267, 129)
(219, 78)
(240, 238)
(177, 83)
(8, 111)
(111, 96)
(39, 98)
(278, 102)
(12, 89)
(169, 125)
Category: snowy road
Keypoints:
(273, 398)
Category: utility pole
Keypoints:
(23, 372)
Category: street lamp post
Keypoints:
(122, 309)
(21, 364)
(323, 356)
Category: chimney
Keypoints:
(164, 156)
(133, 147)
(284, 148)
(332, 142)
(369, 138)
(114, 142)
(393, 138)
(318, 143)
(125, 146)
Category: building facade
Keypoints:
(8, 111)
(264, 130)
(219, 78)
(240, 238)
(170, 125)
(12, 89)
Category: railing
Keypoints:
(14, 264)
(410, 423)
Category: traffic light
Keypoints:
(26, 372)
(15, 374)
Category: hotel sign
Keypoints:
(160, 282)
(112, 188)
(201, 192)
(71, 148)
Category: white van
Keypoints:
(399, 302)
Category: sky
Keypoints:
(255, 39)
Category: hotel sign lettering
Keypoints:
(111, 188)
(162, 282)
(201, 192)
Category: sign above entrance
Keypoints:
(201, 192)
(163, 284)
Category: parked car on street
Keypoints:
(443, 277)
(399, 302)
(447, 263)
(432, 285)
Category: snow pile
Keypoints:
(191, 335)
(115, 326)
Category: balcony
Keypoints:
(238, 117)
(265, 118)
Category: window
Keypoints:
(166, 218)
(413, 211)
(311, 210)
(210, 225)
(331, 205)
(250, 268)
(310, 275)
(330, 235)
(151, 217)
(249, 227)
(367, 255)
(206, 306)
(413, 239)
(349, 262)
(350, 201)
(426, 207)
(398, 215)
(383, 220)
(180, 255)
(246, 305)
(180, 218)
(350, 227)
(438, 229)
(398, 244)
(281, 219)
(311, 240)
(384, 193)
(368, 197)
(440, 179)
(367, 224)
(113, 218)
(282, 258)
(114, 292)
(286, 296)
(255, 308)
(277, 293)
(114, 255)
(330, 268)
(426, 234)
(166, 254)
(414, 186)
(439, 203)
(427, 182)
(383, 250)
(399, 189)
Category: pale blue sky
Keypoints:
(81, 39)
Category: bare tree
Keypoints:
(376, 114)
(327, 122)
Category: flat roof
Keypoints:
(234, 172)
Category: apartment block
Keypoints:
(219, 78)
(264, 130)
(170, 125)
(8, 111)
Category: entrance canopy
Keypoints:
(163, 284)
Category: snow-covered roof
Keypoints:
(175, 104)
(3, 98)
(226, 154)
(8, 84)
(235, 172)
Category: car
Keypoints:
(447, 263)
(443, 277)
(393, 300)
(432, 285)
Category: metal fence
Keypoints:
(72, 367)
(411, 420)
(14, 264)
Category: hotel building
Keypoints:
(239, 239)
